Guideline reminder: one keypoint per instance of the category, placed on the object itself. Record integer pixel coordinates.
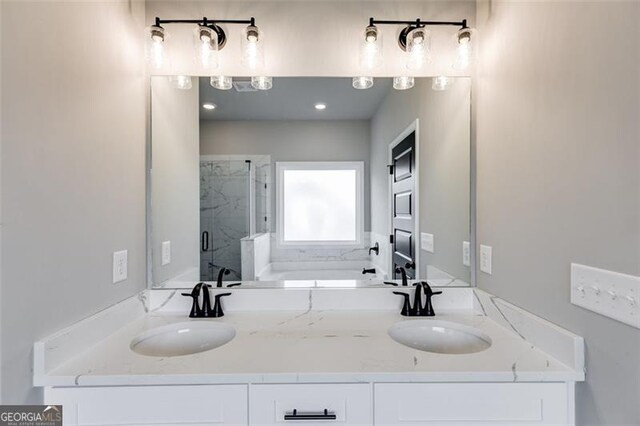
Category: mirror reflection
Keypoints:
(310, 183)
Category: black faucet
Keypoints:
(375, 249)
(400, 270)
(368, 271)
(196, 311)
(205, 311)
(418, 310)
(223, 271)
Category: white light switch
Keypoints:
(485, 259)
(119, 266)
(166, 253)
(426, 242)
(608, 293)
(466, 253)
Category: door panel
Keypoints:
(403, 202)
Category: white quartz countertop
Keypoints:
(309, 346)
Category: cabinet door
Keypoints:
(457, 404)
(152, 405)
(345, 404)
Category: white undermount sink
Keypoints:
(443, 337)
(183, 338)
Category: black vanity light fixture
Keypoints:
(208, 39)
(415, 40)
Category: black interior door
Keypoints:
(403, 205)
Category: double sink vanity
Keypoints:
(312, 355)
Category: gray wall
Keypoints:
(291, 141)
(444, 150)
(558, 113)
(175, 179)
(73, 177)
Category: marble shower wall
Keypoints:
(227, 184)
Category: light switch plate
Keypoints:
(119, 266)
(608, 293)
(427, 242)
(485, 259)
(166, 253)
(466, 253)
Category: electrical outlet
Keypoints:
(119, 266)
(485, 259)
(466, 253)
(607, 293)
(426, 242)
(166, 253)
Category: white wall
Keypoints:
(312, 38)
(175, 179)
(73, 176)
(444, 161)
(558, 131)
(315, 140)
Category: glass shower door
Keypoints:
(224, 216)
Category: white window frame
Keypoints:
(358, 166)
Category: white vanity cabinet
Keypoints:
(384, 404)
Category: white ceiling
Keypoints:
(293, 98)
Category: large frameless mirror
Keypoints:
(311, 182)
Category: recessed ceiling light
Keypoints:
(209, 106)
(320, 106)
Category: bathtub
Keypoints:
(319, 270)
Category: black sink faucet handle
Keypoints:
(410, 265)
(406, 307)
(428, 291)
(196, 311)
(217, 311)
(234, 285)
(223, 271)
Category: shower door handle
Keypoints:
(204, 242)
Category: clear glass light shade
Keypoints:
(465, 52)
(252, 42)
(403, 83)
(205, 45)
(262, 83)
(371, 48)
(156, 37)
(441, 83)
(221, 82)
(182, 82)
(418, 48)
(361, 83)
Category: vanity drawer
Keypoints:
(349, 403)
(472, 404)
(152, 405)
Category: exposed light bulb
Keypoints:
(464, 50)
(221, 82)
(320, 106)
(252, 48)
(261, 83)
(403, 82)
(205, 42)
(209, 106)
(418, 48)
(155, 47)
(182, 82)
(371, 48)
(362, 83)
(440, 83)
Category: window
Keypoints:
(320, 203)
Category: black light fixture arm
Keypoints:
(205, 21)
(418, 23)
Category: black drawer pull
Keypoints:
(325, 415)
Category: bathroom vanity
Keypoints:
(312, 356)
